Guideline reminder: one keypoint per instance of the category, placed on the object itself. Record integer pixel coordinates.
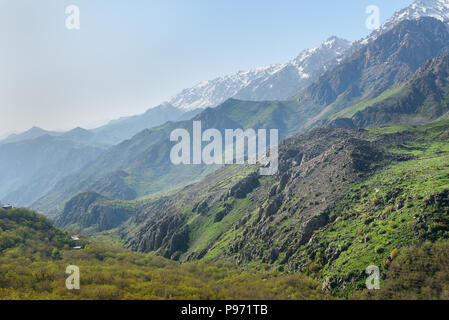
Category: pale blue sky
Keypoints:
(132, 55)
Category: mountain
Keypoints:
(135, 167)
(79, 135)
(437, 9)
(424, 97)
(32, 133)
(141, 166)
(173, 226)
(341, 201)
(30, 168)
(33, 162)
(115, 131)
(282, 81)
(125, 128)
(93, 211)
(390, 59)
(276, 82)
(297, 74)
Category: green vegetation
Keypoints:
(396, 218)
(34, 256)
(350, 111)
(400, 205)
(417, 272)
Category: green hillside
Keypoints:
(343, 199)
(34, 256)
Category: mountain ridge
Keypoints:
(265, 83)
(140, 166)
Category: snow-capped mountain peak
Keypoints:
(438, 9)
(213, 92)
(273, 82)
(281, 81)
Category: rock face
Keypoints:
(437, 9)
(390, 59)
(386, 61)
(422, 98)
(244, 186)
(268, 217)
(91, 211)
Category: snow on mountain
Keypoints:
(298, 73)
(438, 9)
(212, 93)
(275, 82)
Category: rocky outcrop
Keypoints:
(167, 235)
(91, 211)
(244, 186)
(269, 218)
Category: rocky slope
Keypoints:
(437, 9)
(422, 98)
(93, 212)
(342, 200)
(141, 166)
(389, 60)
(315, 172)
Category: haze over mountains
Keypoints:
(140, 166)
(352, 75)
(394, 53)
(279, 81)
(276, 82)
(363, 161)
(30, 168)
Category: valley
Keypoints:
(153, 207)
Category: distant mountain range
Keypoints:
(125, 128)
(30, 168)
(276, 82)
(115, 131)
(141, 166)
(363, 173)
(30, 134)
(320, 86)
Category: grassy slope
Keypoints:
(382, 214)
(376, 218)
(350, 111)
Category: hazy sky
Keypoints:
(132, 55)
